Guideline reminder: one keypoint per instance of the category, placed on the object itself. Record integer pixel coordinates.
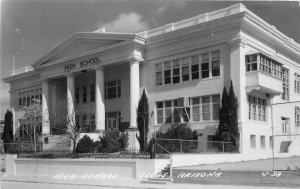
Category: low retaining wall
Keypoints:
(120, 168)
(180, 159)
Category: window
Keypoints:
(77, 95)
(297, 116)
(297, 83)
(196, 109)
(252, 141)
(92, 97)
(113, 89)
(266, 65)
(215, 63)
(167, 72)
(84, 121)
(46, 140)
(262, 141)
(257, 108)
(251, 62)
(27, 98)
(195, 67)
(285, 125)
(271, 142)
(205, 65)
(92, 123)
(185, 69)
(171, 111)
(84, 94)
(176, 71)
(285, 84)
(159, 112)
(205, 108)
(112, 120)
(158, 69)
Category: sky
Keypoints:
(31, 28)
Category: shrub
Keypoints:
(85, 145)
(113, 141)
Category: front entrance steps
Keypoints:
(163, 179)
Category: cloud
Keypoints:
(164, 5)
(127, 23)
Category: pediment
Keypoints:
(82, 46)
(80, 43)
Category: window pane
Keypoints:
(195, 101)
(159, 105)
(195, 59)
(206, 99)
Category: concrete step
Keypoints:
(167, 179)
(153, 182)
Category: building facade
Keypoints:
(183, 64)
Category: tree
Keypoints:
(7, 135)
(32, 117)
(143, 121)
(63, 123)
(227, 130)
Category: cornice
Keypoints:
(261, 29)
(20, 76)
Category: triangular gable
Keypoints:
(79, 43)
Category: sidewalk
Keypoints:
(116, 183)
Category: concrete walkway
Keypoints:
(107, 183)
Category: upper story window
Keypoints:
(84, 94)
(251, 62)
(264, 64)
(257, 108)
(297, 83)
(188, 68)
(195, 67)
(158, 71)
(205, 65)
(167, 72)
(285, 84)
(112, 89)
(176, 71)
(215, 63)
(185, 69)
(77, 95)
(26, 98)
(92, 97)
(297, 116)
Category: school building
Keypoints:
(182, 64)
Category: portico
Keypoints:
(95, 66)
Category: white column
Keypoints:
(45, 108)
(70, 98)
(134, 91)
(100, 107)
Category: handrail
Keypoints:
(163, 148)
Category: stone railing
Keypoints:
(234, 9)
(22, 70)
